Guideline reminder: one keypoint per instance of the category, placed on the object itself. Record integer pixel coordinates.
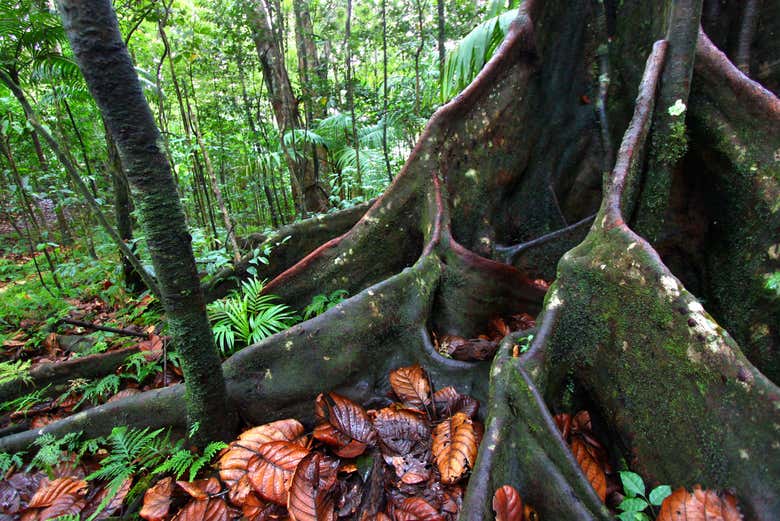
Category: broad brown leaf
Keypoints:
(49, 492)
(239, 492)
(343, 425)
(214, 509)
(416, 509)
(256, 509)
(201, 488)
(701, 505)
(66, 504)
(400, 430)
(590, 467)
(563, 421)
(449, 401)
(309, 497)
(411, 385)
(272, 468)
(507, 504)
(233, 463)
(455, 443)
(114, 504)
(157, 500)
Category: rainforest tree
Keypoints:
(614, 147)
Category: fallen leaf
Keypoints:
(507, 504)
(201, 488)
(416, 509)
(455, 443)
(157, 500)
(233, 463)
(309, 498)
(272, 468)
(255, 509)
(449, 401)
(343, 425)
(411, 385)
(701, 505)
(214, 509)
(590, 467)
(114, 504)
(50, 491)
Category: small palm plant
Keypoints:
(247, 316)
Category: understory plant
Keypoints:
(247, 316)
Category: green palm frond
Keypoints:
(466, 60)
(247, 316)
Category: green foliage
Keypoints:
(24, 403)
(50, 449)
(138, 368)
(9, 461)
(247, 316)
(772, 283)
(321, 303)
(182, 460)
(472, 53)
(18, 370)
(636, 502)
(93, 392)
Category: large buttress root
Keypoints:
(512, 159)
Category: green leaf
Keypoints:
(632, 483)
(658, 494)
(627, 516)
(633, 504)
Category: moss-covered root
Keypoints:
(682, 398)
(288, 245)
(153, 409)
(522, 448)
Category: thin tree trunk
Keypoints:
(123, 206)
(440, 36)
(384, 90)
(308, 194)
(417, 55)
(351, 99)
(103, 58)
(213, 178)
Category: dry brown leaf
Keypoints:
(255, 509)
(309, 497)
(50, 491)
(201, 488)
(214, 509)
(233, 463)
(590, 467)
(449, 401)
(66, 504)
(701, 505)
(507, 504)
(272, 468)
(124, 393)
(455, 443)
(113, 505)
(343, 425)
(416, 509)
(157, 500)
(563, 421)
(239, 492)
(412, 386)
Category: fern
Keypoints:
(10, 371)
(92, 392)
(248, 316)
(51, 448)
(9, 461)
(25, 402)
(182, 460)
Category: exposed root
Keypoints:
(57, 374)
(746, 31)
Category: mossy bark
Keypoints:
(514, 157)
(98, 47)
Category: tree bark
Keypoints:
(308, 193)
(98, 47)
(676, 397)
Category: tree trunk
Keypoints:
(508, 162)
(308, 193)
(351, 100)
(98, 47)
